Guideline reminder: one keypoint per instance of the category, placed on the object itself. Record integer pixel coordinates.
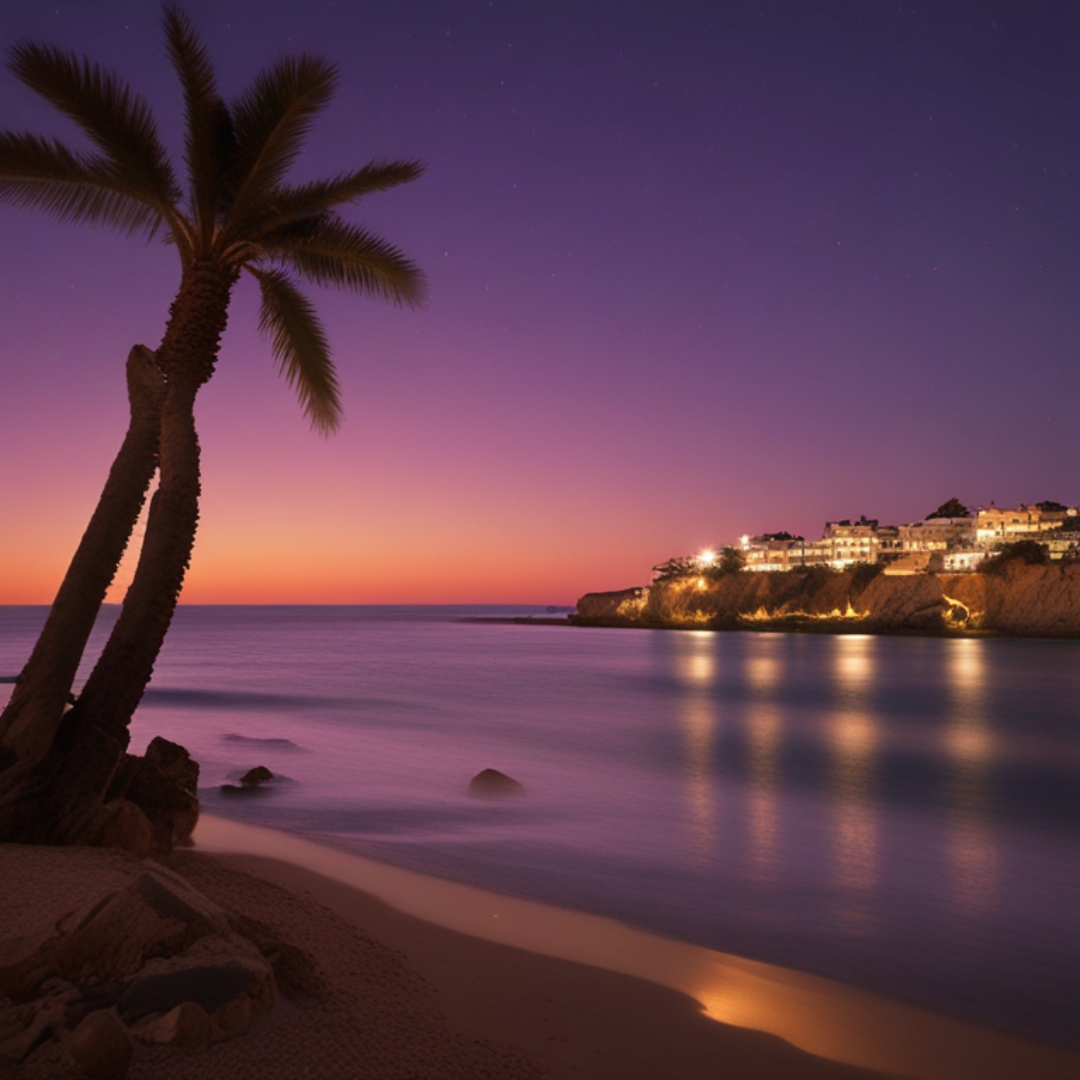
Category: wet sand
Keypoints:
(597, 999)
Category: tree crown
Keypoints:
(238, 212)
(954, 508)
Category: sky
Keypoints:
(696, 270)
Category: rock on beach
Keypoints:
(100, 948)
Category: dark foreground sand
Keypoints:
(565, 1020)
(368, 991)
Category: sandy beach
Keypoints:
(385, 973)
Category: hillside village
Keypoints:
(953, 539)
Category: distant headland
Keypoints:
(984, 571)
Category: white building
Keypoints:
(952, 544)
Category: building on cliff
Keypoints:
(1024, 523)
(952, 544)
(938, 534)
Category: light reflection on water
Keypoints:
(854, 664)
(852, 733)
(971, 748)
(900, 813)
(855, 842)
(853, 738)
(696, 666)
(764, 725)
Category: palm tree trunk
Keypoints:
(29, 723)
(99, 782)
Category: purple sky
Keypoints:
(696, 270)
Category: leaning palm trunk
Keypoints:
(31, 717)
(100, 793)
(32, 720)
(187, 356)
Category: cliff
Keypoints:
(1039, 601)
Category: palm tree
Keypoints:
(63, 777)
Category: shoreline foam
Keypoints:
(825, 1018)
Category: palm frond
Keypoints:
(44, 174)
(291, 203)
(209, 141)
(272, 119)
(331, 252)
(118, 121)
(299, 346)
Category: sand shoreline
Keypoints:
(385, 973)
(422, 916)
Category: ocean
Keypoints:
(898, 813)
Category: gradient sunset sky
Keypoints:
(696, 270)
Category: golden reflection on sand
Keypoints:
(764, 731)
(696, 669)
(970, 741)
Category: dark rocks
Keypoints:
(232, 1019)
(187, 1027)
(100, 1046)
(210, 986)
(23, 1027)
(250, 781)
(162, 784)
(138, 954)
(493, 782)
(125, 826)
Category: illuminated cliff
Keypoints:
(1042, 601)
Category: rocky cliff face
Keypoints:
(1042, 601)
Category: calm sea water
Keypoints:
(899, 813)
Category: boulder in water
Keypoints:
(493, 782)
(250, 781)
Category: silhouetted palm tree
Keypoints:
(58, 776)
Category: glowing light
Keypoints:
(707, 557)
(763, 615)
(634, 607)
(966, 662)
(855, 663)
(958, 614)
(690, 618)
